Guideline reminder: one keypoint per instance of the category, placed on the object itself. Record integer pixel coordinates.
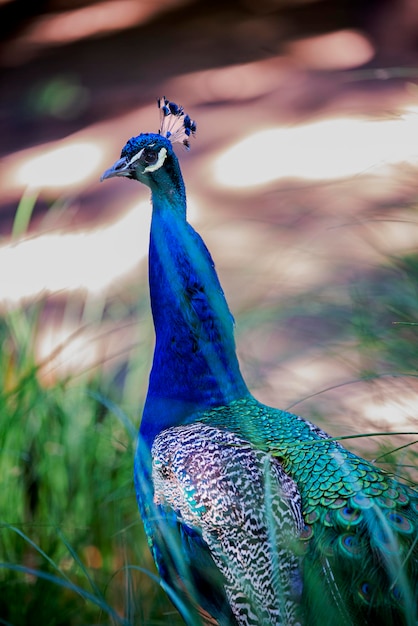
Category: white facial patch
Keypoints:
(136, 157)
(161, 158)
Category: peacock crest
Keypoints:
(175, 125)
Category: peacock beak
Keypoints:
(120, 168)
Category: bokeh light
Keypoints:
(69, 164)
(89, 260)
(323, 150)
(339, 50)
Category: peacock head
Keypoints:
(149, 157)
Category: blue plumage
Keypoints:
(254, 515)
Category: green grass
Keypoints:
(70, 533)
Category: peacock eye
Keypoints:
(149, 156)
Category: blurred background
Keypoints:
(302, 181)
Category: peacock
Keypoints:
(254, 516)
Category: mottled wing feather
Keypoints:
(192, 579)
(247, 509)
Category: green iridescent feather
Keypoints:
(359, 544)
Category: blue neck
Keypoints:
(195, 365)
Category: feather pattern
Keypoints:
(254, 515)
